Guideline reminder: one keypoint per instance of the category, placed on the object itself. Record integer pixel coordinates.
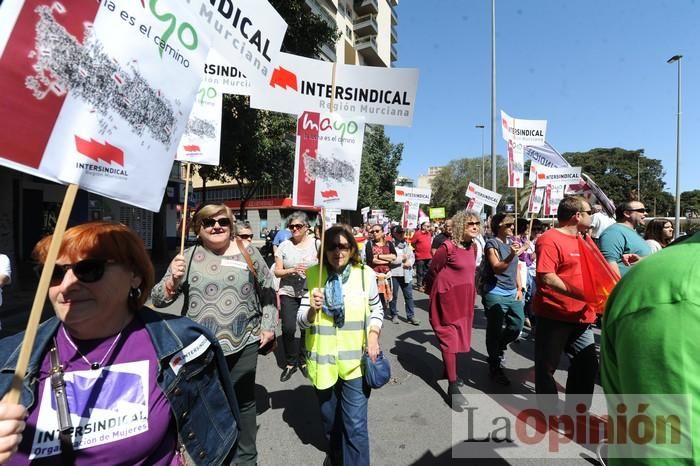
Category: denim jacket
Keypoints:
(201, 395)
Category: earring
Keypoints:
(135, 293)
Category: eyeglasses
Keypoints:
(245, 236)
(210, 222)
(87, 271)
(471, 224)
(641, 210)
(589, 212)
(296, 226)
(340, 246)
(377, 231)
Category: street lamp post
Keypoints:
(676, 232)
(493, 97)
(483, 173)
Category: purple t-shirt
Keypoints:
(119, 413)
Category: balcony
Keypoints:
(394, 53)
(366, 7)
(318, 9)
(366, 26)
(394, 17)
(367, 47)
(394, 35)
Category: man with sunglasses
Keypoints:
(620, 243)
(563, 317)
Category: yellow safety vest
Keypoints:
(333, 352)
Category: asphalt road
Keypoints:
(410, 422)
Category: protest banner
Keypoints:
(485, 196)
(525, 132)
(327, 160)
(406, 193)
(561, 176)
(365, 212)
(545, 155)
(201, 140)
(536, 197)
(436, 212)
(248, 32)
(384, 96)
(410, 215)
(516, 162)
(475, 205)
(552, 197)
(89, 97)
(378, 212)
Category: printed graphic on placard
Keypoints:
(535, 203)
(327, 160)
(561, 176)
(384, 96)
(201, 140)
(515, 165)
(475, 205)
(407, 193)
(410, 215)
(527, 132)
(108, 405)
(485, 196)
(89, 95)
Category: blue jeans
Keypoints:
(501, 310)
(576, 339)
(345, 422)
(407, 290)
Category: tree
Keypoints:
(378, 172)
(257, 148)
(450, 184)
(615, 171)
(690, 202)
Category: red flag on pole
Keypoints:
(599, 279)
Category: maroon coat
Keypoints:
(450, 283)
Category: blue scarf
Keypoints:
(333, 305)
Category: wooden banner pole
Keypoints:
(185, 213)
(13, 395)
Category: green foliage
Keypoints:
(450, 184)
(380, 167)
(690, 202)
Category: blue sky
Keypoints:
(595, 69)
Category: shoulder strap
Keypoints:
(247, 258)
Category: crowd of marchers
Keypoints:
(113, 381)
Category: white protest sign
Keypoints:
(556, 194)
(364, 211)
(248, 32)
(486, 196)
(89, 96)
(560, 176)
(378, 212)
(410, 215)
(331, 216)
(384, 96)
(475, 205)
(327, 162)
(406, 193)
(224, 76)
(526, 132)
(544, 155)
(535, 203)
(516, 163)
(201, 141)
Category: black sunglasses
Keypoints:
(342, 247)
(87, 271)
(471, 224)
(377, 231)
(210, 222)
(296, 226)
(245, 236)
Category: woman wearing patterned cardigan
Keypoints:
(225, 298)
